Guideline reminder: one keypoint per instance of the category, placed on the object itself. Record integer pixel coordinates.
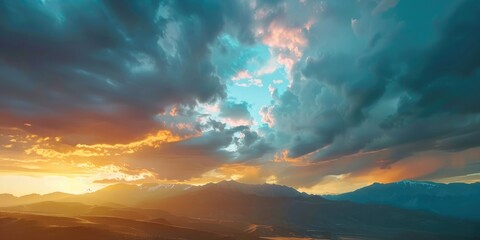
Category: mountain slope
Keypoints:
(454, 199)
(114, 196)
(27, 226)
(77, 209)
(234, 209)
(129, 195)
(265, 190)
(133, 195)
(315, 215)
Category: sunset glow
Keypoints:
(323, 96)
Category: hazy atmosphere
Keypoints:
(323, 96)
(239, 119)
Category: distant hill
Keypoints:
(121, 195)
(10, 200)
(455, 199)
(130, 195)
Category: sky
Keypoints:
(323, 96)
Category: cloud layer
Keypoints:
(303, 93)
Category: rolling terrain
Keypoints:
(33, 226)
(226, 210)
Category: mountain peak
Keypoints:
(458, 200)
(421, 184)
(228, 182)
(406, 183)
(265, 189)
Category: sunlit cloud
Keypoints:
(286, 42)
(285, 38)
(324, 96)
(100, 150)
(250, 82)
(241, 75)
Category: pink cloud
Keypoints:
(241, 75)
(282, 37)
(266, 112)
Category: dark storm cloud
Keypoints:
(341, 73)
(445, 76)
(114, 62)
(438, 108)
(402, 78)
(370, 81)
(234, 144)
(250, 146)
(236, 111)
(192, 157)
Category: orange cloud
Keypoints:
(31, 154)
(415, 167)
(282, 157)
(101, 150)
(410, 168)
(237, 172)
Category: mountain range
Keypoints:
(231, 210)
(454, 199)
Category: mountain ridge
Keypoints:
(251, 208)
(452, 199)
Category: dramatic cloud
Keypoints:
(236, 113)
(117, 65)
(397, 86)
(318, 95)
